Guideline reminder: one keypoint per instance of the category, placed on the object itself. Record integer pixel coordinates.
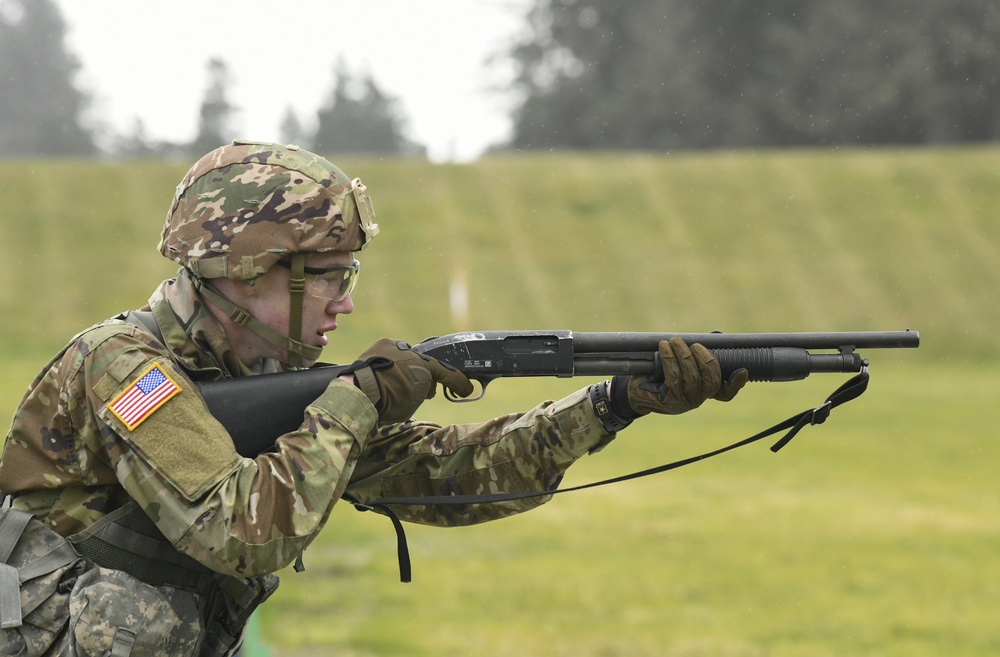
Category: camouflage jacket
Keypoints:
(75, 452)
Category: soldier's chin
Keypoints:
(306, 362)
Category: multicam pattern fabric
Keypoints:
(69, 461)
(244, 206)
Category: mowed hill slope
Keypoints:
(771, 241)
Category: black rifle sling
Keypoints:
(850, 390)
(144, 319)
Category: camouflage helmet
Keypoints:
(244, 206)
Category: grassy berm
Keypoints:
(873, 534)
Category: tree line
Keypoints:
(643, 74)
(665, 74)
(44, 113)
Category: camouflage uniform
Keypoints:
(71, 462)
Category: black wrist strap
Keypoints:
(619, 397)
(609, 418)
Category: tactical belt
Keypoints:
(127, 540)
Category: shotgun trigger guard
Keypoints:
(452, 397)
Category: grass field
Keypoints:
(874, 534)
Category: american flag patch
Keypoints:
(145, 395)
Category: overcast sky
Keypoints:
(148, 61)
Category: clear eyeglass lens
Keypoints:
(335, 284)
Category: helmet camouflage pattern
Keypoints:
(244, 206)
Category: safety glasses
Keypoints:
(331, 283)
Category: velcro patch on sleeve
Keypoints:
(144, 396)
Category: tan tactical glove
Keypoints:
(690, 376)
(399, 379)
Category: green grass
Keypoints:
(874, 534)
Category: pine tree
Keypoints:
(215, 113)
(41, 109)
(359, 117)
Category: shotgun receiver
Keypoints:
(257, 410)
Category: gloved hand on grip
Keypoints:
(397, 391)
(691, 375)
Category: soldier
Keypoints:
(173, 538)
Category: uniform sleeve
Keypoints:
(235, 515)
(527, 452)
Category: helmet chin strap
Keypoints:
(293, 346)
(297, 289)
